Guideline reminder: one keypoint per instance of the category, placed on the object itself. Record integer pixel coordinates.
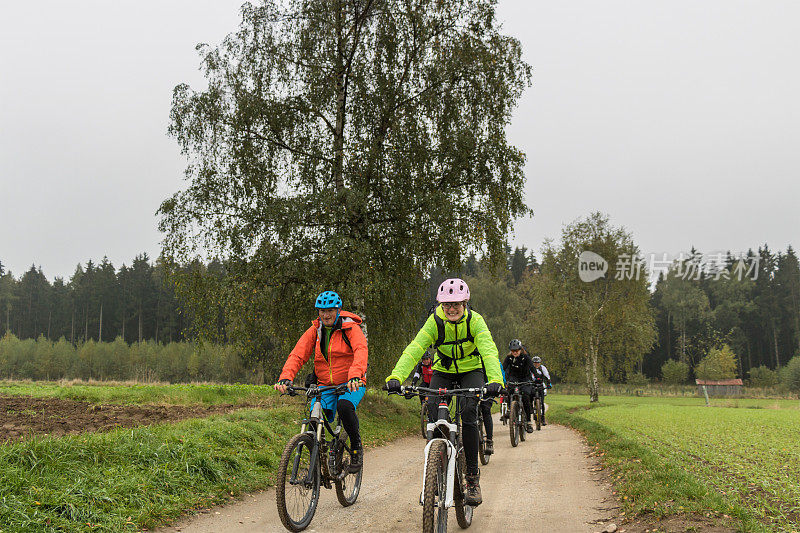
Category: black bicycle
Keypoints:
(444, 485)
(516, 411)
(318, 455)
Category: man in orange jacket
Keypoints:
(340, 356)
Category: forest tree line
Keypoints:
(756, 316)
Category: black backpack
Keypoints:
(445, 359)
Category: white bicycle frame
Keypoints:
(451, 460)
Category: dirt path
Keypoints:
(545, 484)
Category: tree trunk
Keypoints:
(669, 336)
(595, 395)
(775, 341)
(358, 305)
(100, 331)
(341, 102)
(588, 362)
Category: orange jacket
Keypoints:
(343, 362)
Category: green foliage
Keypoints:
(720, 363)
(790, 375)
(604, 326)
(762, 376)
(350, 146)
(637, 379)
(675, 372)
(175, 362)
(501, 306)
(130, 479)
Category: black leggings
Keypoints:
(469, 413)
(347, 415)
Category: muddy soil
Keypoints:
(23, 416)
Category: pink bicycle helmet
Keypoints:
(453, 290)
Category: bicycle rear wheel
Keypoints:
(297, 490)
(513, 428)
(482, 442)
(348, 484)
(537, 411)
(423, 419)
(434, 512)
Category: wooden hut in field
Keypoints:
(721, 387)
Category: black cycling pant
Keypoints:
(347, 415)
(469, 412)
(488, 424)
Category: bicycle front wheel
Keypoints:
(434, 493)
(513, 428)
(348, 484)
(297, 483)
(538, 412)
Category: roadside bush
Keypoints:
(790, 375)
(762, 376)
(720, 363)
(637, 380)
(675, 372)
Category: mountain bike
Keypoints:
(516, 411)
(443, 483)
(317, 456)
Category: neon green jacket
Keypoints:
(455, 339)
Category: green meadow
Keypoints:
(736, 460)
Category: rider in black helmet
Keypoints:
(518, 366)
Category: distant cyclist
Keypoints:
(541, 375)
(518, 367)
(463, 347)
(340, 355)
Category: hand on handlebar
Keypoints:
(493, 389)
(282, 385)
(354, 384)
(393, 386)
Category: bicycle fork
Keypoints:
(451, 471)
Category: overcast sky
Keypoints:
(677, 118)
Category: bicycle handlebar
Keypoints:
(410, 390)
(314, 390)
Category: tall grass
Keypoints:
(130, 479)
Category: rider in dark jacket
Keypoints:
(518, 367)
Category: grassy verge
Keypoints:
(670, 456)
(128, 479)
(134, 393)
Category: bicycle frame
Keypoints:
(318, 420)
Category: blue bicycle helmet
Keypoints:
(328, 300)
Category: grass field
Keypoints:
(128, 479)
(134, 393)
(736, 458)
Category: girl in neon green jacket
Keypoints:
(464, 352)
